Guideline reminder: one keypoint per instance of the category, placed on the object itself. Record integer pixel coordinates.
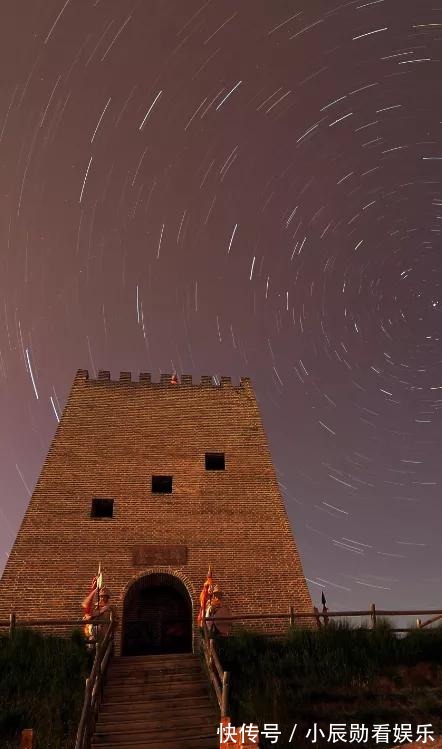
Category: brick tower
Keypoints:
(156, 481)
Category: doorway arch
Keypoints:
(157, 616)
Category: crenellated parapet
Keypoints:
(165, 380)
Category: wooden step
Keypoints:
(155, 674)
(200, 719)
(156, 692)
(154, 687)
(153, 678)
(155, 667)
(202, 742)
(165, 734)
(158, 701)
(155, 661)
(156, 698)
(158, 707)
(162, 658)
(130, 711)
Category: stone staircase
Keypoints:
(157, 702)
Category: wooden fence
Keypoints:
(292, 617)
(322, 617)
(218, 677)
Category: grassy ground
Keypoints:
(335, 675)
(42, 682)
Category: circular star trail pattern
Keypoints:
(244, 188)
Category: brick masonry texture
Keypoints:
(113, 436)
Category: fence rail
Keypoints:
(291, 616)
(323, 616)
(312, 614)
(217, 675)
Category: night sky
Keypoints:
(245, 188)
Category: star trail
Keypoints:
(248, 189)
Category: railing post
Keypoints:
(111, 619)
(292, 616)
(418, 623)
(225, 695)
(12, 622)
(373, 615)
(316, 613)
(27, 739)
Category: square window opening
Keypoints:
(102, 508)
(162, 484)
(215, 462)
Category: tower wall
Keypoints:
(113, 436)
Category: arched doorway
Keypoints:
(157, 616)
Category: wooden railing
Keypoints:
(322, 617)
(220, 678)
(291, 617)
(421, 625)
(217, 675)
(13, 623)
(94, 685)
